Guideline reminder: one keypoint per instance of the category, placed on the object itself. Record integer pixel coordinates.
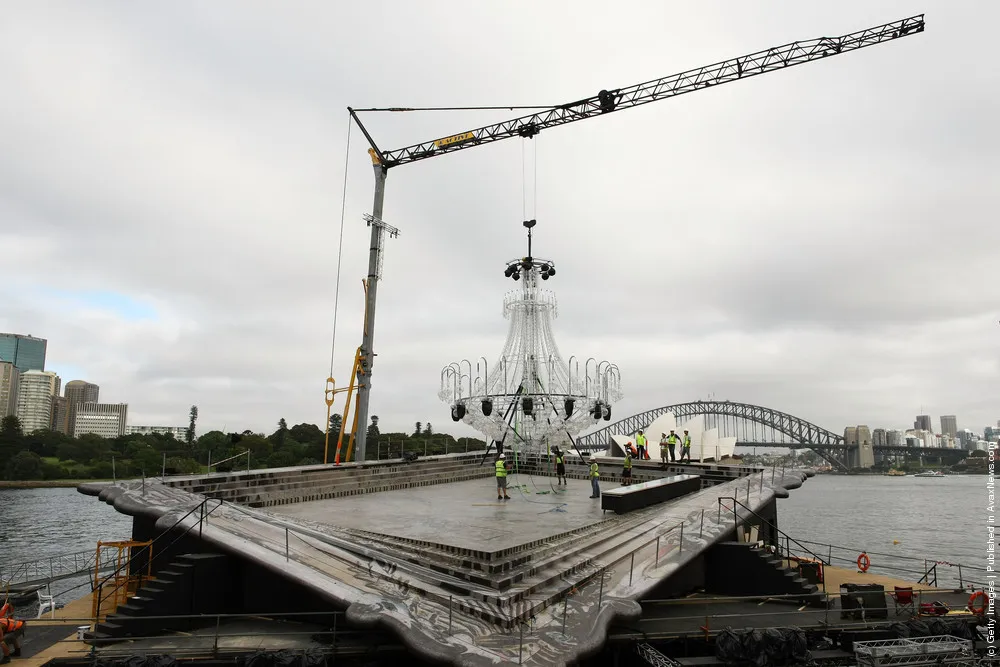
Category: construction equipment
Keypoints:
(606, 101)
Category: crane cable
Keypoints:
(340, 248)
(524, 180)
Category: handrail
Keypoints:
(200, 505)
(788, 538)
(59, 566)
(925, 571)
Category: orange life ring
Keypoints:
(864, 562)
(978, 595)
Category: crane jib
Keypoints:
(734, 69)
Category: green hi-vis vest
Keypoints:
(687, 442)
(640, 440)
(628, 462)
(559, 460)
(501, 470)
(672, 439)
(594, 471)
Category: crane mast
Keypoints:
(606, 101)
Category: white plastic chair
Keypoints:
(46, 602)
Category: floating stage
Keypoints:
(426, 551)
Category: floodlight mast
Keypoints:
(606, 101)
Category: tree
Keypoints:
(417, 432)
(24, 465)
(428, 430)
(189, 436)
(373, 429)
(335, 422)
(10, 427)
(11, 437)
(279, 436)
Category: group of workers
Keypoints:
(668, 445)
(11, 633)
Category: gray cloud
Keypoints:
(817, 240)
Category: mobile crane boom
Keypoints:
(606, 101)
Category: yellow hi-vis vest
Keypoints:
(687, 442)
(594, 471)
(640, 440)
(672, 439)
(559, 460)
(501, 469)
(628, 462)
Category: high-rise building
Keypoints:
(879, 437)
(25, 352)
(60, 414)
(895, 438)
(923, 423)
(949, 425)
(104, 419)
(34, 399)
(77, 392)
(10, 378)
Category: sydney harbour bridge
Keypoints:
(757, 426)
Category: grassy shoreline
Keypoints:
(46, 483)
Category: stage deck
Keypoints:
(464, 515)
(459, 576)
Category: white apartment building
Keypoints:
(179, 432)
(104, 419)
(34, 399)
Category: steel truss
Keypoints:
(608, 101)
(803, 433)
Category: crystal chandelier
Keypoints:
(530, 395)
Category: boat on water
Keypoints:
(895, 473)
(931, 473)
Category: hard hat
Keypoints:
(502, 456)
(630, 442)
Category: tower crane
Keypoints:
(604, 102)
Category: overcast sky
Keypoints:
(821, 240)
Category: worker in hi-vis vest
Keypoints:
(672, 442)
(627, 469)
(595, 474)
(502, 478)
(686, 447)
(560, 465)
(640, 443)
(663, 450)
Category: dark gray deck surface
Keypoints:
(464, 515)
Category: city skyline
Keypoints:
(87, 392)
(177, 242)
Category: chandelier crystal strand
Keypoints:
(530, 385)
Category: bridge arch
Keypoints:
(802, 432)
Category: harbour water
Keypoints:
(905, 518)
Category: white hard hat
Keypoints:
(502, 456)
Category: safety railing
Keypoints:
(113, 579)
(710, 622)
(338, 638)
(52, 568)
(785, 552)
(923, 570)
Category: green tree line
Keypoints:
(50, 455)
